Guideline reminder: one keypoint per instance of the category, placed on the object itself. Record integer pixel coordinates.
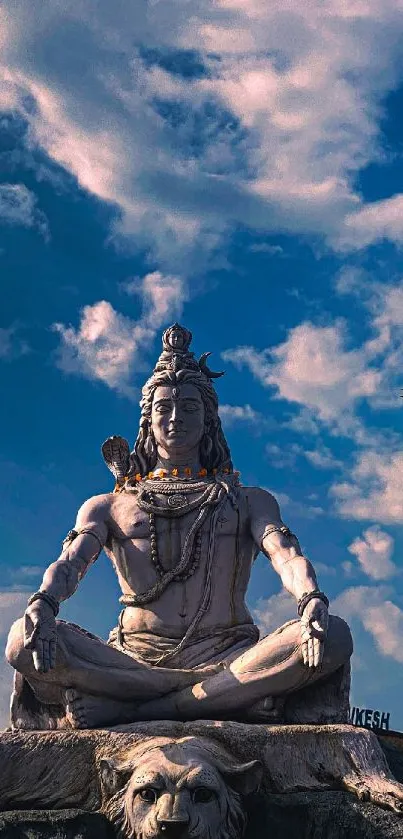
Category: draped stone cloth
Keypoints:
(205, 647)
(124, 669)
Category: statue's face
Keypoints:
(177, 418)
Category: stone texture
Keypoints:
(318, 781)
(47, 824)
(328, 815)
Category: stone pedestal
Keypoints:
(304, 782)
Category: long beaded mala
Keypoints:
(177, 506)
(212, 500)
(160, 570)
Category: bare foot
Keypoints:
(86, 711)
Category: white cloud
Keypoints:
(378, 615)
(373, 552)
(373, 223)
(349, 568)
(11, 344)
(272, 612)
(163, 296)
(12, 606)
(18, 205)
(325, 570)
(351, 280)
(374, 490)
(282, 457)
(233, 414)
(29, 571)
(317, 369)
(322, 458)
(107, 345)
(264, 247)
(313, 368)
(270, 135)
(299, 509)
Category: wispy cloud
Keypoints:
(312, 368)
(373, 490)
(382, 618)
(12, 345)
(12, 606)
(272, 612)
(162, 295)
(238, 113)
(373, 552)
(264, 247)
(318, 370)
(373, 223)
(293, 507)
(107, 345)
(245, 414)
(18, 205)
(320, 457)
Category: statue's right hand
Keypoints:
(40, 635)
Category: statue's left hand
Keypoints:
(40, 634)
(314, 623)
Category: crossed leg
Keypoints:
(94, 682)
(273, 667)
(99, 685)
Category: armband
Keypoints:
(279, 528)
(72, 534)
(91, 533)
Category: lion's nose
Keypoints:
(173, 828)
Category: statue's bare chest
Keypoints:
(131, 523)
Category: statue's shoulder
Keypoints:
(259, 500)
(98, 506)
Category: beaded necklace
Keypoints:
(177, 505)
(191, 550)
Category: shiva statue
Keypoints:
(182, 534)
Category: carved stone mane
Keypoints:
(96, 770)
(205, 783)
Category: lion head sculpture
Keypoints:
(191, 788)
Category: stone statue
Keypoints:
(182, 534)
(181, 787)
(160, 779)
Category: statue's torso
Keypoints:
(129, 549)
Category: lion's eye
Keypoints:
(202, 795)
(148, 794)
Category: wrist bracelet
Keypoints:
(311, 595)
(47, 598)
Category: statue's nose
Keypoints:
(173, 828)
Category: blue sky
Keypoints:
(236, 165)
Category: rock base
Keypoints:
(48, 824)
(317, 782)
(325, 815)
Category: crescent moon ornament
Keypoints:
(203, 367)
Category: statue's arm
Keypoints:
(62, 577)
(295, 570)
